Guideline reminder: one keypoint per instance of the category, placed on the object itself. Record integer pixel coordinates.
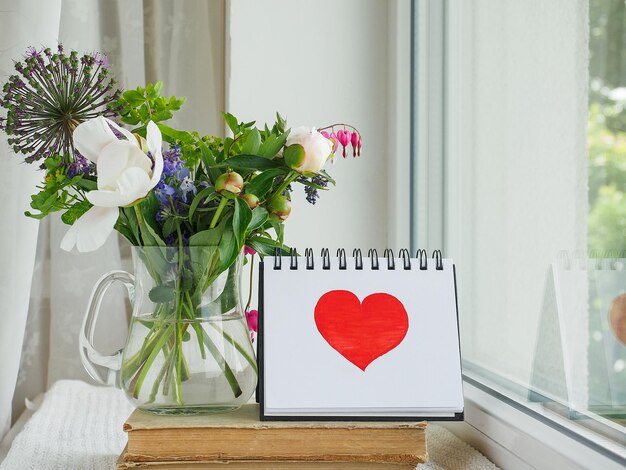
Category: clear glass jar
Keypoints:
(188, 349)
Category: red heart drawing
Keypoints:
(361, 332)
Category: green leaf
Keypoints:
(272, 145)
(327, 176)
(228, 250)
(174, 134)
(210, 237)
(203, 194)
(74, 212)
(312, 184)
(241, 219)
(162, 294)
(208, 158)
(266, 246)
(263, 182)
(249, 162)
(252, 143)
(231, 121)
(134, 97)
(150, 237)
(259, 217)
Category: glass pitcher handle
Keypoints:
(103, 369)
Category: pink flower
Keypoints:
(333, 138)
(344, 139)
(248, 251)
(354, 140)
(252, 317)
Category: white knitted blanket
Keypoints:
(79, 426)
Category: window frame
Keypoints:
(504, 428)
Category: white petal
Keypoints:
(132, 184)
(115, 158)
(91, 136)
(107, 198)
(317, 149)
(91, 230)
(298, 134)
(155, 141)
(122, 131)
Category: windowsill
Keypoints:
(511, 435)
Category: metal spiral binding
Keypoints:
(294, 259)
(422, 256)
(341, 254)
(373, 256)
(325, 259)
(309, 258)
(406, 257)
(358, 259)
(277, 259)
(388, 253)
(438, 260)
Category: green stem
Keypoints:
(228, 372)
(250, 289)
(179, 361)
(146, 367)
(238, 347)
(195, 325)
(159, 377)
(291, 177)
(218, 212)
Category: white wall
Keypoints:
(520, 195)
(320, 62)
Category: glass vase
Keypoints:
(188, 349)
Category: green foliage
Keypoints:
(141, 105)
(59, 192)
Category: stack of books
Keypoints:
(238, 440)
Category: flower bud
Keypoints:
(251, 200)
(231, 182)
(307, 150)
(279, 207)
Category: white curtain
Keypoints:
(22, 24)
(145, 41)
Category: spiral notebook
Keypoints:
(359, 338)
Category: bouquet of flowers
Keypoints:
(110, 163)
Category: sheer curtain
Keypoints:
(22, 24)
(181, 44)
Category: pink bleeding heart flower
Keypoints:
(333, 138)
(360, 145)
(252, 317)
(248, 251)
(354, 140)
(344, 139)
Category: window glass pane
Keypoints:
(535, 209)
(607, 207)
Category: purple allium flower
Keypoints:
(101, 59)
(50, 96)
(32, 52)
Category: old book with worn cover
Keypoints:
(240, 436)
(256, 465)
